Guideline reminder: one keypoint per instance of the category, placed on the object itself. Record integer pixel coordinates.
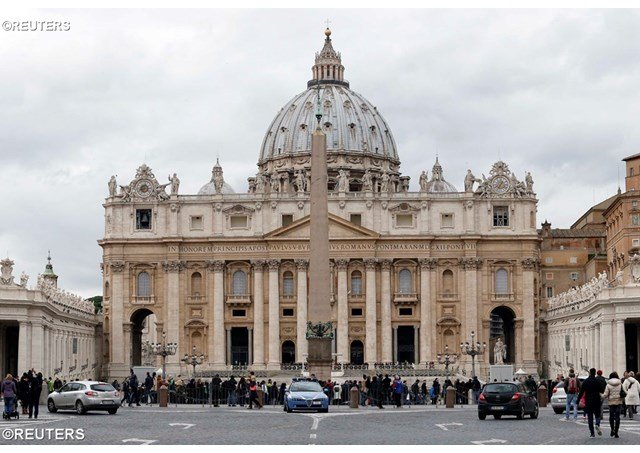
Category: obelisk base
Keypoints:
(319, 358)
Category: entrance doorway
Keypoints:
(631, 346)
(406, 348)
(239, 346)
(356, 352)
(502, 326)
(288, 352)
(9, 352)
(140, 324)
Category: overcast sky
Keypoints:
(551, 92)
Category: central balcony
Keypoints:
(238, 300)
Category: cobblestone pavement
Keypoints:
(237, 425)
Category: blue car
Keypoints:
(306, 395)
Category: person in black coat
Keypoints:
(35, 388)
(376, 390)
(215, 390)
(591, 390)
(23, 392)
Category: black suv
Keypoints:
(507, 398)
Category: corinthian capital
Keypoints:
(274, 265)
(428, 263)
(341, 264)
(529, 263)
(216, 265)
(258, 265)
(385, 265)
(370, 263)
(173, 266)
(302, 265)
(470, 263)
(116, 266)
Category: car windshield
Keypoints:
(305, 387)
(500, 388)
(102, 388)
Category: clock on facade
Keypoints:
(500, 184)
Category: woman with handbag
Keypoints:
(632, 389)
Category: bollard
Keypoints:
(470, 397)
(261, 396)
(163, 396)
(542, 396)
(450, 398)
(354, 396)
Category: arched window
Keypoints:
(502, 281)
(287, 283)
(447, 282)
(288, 352)
(448, 338)
(144, 285)
(239, 283)
(196, 284)
(356, 283)
(405, 283)
(107, 290)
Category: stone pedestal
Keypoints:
(319, 359)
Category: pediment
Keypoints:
(339, 228)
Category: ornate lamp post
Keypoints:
(473, 350)
(163, 350)
(193, 359)
(446, 359)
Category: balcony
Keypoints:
(288, 298)
(143, 300)
(405, 298)
(501, 296)
(197, 299)
(238, 300)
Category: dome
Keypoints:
(352, 125)
(217, 185)
(437, 184)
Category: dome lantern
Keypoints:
(328, 67)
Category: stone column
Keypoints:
(519, 341)
(258, 314)
(342, 340)
(529, 273)
(385, 310)
(470, 266)
(426, 266)
(172, 270)
(606, 345)
(117, 319)
(301, 321)
(23, 352)
(596, 349)
(37, 346)
(620, 362)
(274, 316)
(218, 313)
(126, 327)
(370, 351)
(229, 360)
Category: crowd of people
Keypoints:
(621, 394)
(24, 392)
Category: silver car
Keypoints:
(84, 396)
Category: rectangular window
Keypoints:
(75, 345)
(239, 313)
(143, 219)
(196, 222)
(287, 219)
(501, 216)
(238, 221)
(635, 242)
(573, 260)
(548, 275)
(549, 291)
(356, 219)
(404, 220)
(635, 219)
(405, 311)
(287, 312)
(574, 276)
(567, 343)
(356, 312)
(446, 221)
(548, 260)
(634, 204)
(631, 171)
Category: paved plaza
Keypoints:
(342, 426)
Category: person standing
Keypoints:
(215, 390)
(436, 391)
(572, 388)
(398, 390)
(23, 393)
(476, 387)
(612, 393)
(631, 387)
(376, 391)
(35, 388)
(148, 385)
(253, 395)
(591, 390)
(9, 391)
(133, 388)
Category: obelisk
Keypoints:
(319, 327)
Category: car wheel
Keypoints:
(113, 411)
(497, 416)
(482, 416)
(80, 408)
(558, 410)
(287, 408)
(534, 414)
(520, 415)
(52, 406)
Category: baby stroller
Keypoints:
(10, 411)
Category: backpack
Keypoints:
(573, 385)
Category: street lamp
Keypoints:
(193, 359)
(446, 359)
(473, 350)
(163, 350)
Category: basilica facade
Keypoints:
(413, 273)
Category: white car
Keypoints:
(559, 399)
(85, 396)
